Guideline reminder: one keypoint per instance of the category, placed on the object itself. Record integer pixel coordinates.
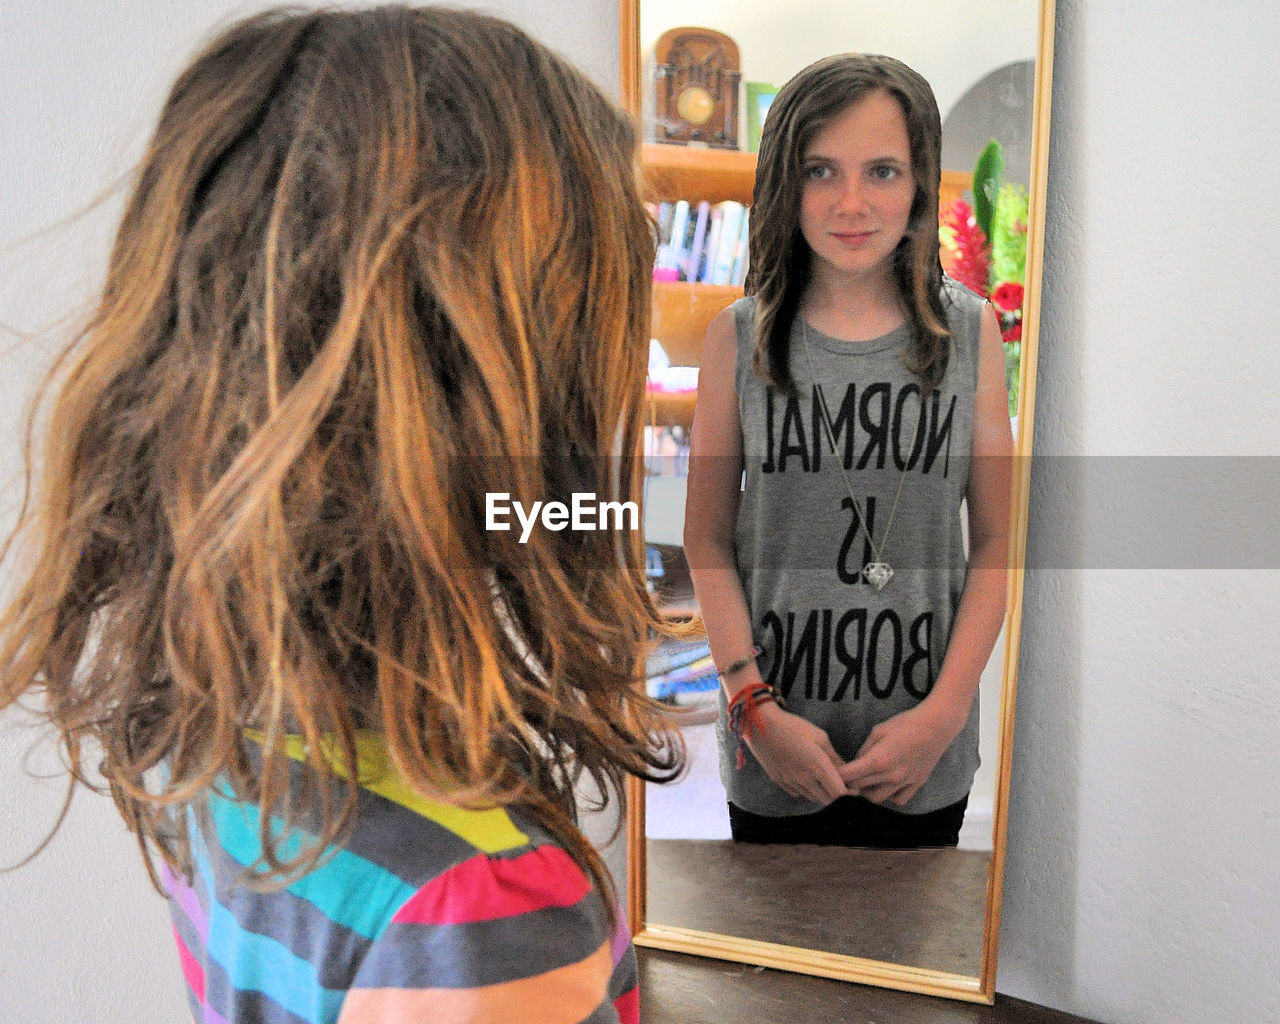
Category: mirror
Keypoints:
(919, 920)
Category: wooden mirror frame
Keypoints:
(980, 989)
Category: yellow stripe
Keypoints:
(490, 829)
(565, 995)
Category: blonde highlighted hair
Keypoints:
(376, 264)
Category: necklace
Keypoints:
(877, 572)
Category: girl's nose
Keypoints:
(853, 198)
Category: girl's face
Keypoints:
(857, 191)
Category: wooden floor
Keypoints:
(680, 989)
(920, 908)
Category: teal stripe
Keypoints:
(330, 887)
(256, 963)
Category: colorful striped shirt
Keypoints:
(428, 912)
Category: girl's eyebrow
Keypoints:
(823, 158)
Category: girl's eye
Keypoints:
(818, 172)
(885, 172)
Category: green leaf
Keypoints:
(987, 173)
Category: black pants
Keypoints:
(853, 821)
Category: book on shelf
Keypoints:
(674, 654)
(680, 693)
(679, 669)
(693, 260)
(706, 259)
(730, 227)
(663, 214)
(676, 249)
(701, 242)
(685, 673)
(738, 275)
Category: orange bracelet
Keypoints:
(741, 711)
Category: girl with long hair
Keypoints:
(376, 266)
(862, 394)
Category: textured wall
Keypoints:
(1143, 878)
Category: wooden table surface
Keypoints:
(679, 989)
(920, 908)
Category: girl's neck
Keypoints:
(857, 308)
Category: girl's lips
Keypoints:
(851, 237)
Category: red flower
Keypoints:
(1007, 297)
(970, 253)
(1014, 333)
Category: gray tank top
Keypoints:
(844, 655)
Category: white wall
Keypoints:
(82, 937)
(1142, 880)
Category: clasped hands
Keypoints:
(895, 761)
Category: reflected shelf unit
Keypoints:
(683, 310)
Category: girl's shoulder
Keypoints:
(744, 309)
(959, 297)
(744, 319)
(963, 307)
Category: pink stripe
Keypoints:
(212, 1016)
(191, 970)
(628, 1006)
(485, 889)
(185, 897)
(621, 938)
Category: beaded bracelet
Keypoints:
(741, 712)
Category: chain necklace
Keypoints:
(877, 572)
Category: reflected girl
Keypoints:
(863, 394)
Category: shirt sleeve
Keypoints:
(499, 939)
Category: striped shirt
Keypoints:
(428, 912)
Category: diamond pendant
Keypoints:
(877, 574)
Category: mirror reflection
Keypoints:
(921, 908)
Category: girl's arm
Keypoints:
(796, 754)
(901, 753)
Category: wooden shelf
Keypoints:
(953, 186)
(693, 173)
(673, 409)
(683, 311)
(681, 314)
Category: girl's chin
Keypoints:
(852, 267)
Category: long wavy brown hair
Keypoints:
(376, 265)
(780, 261)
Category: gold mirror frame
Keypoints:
(980, 988)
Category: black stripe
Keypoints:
(486, 952)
